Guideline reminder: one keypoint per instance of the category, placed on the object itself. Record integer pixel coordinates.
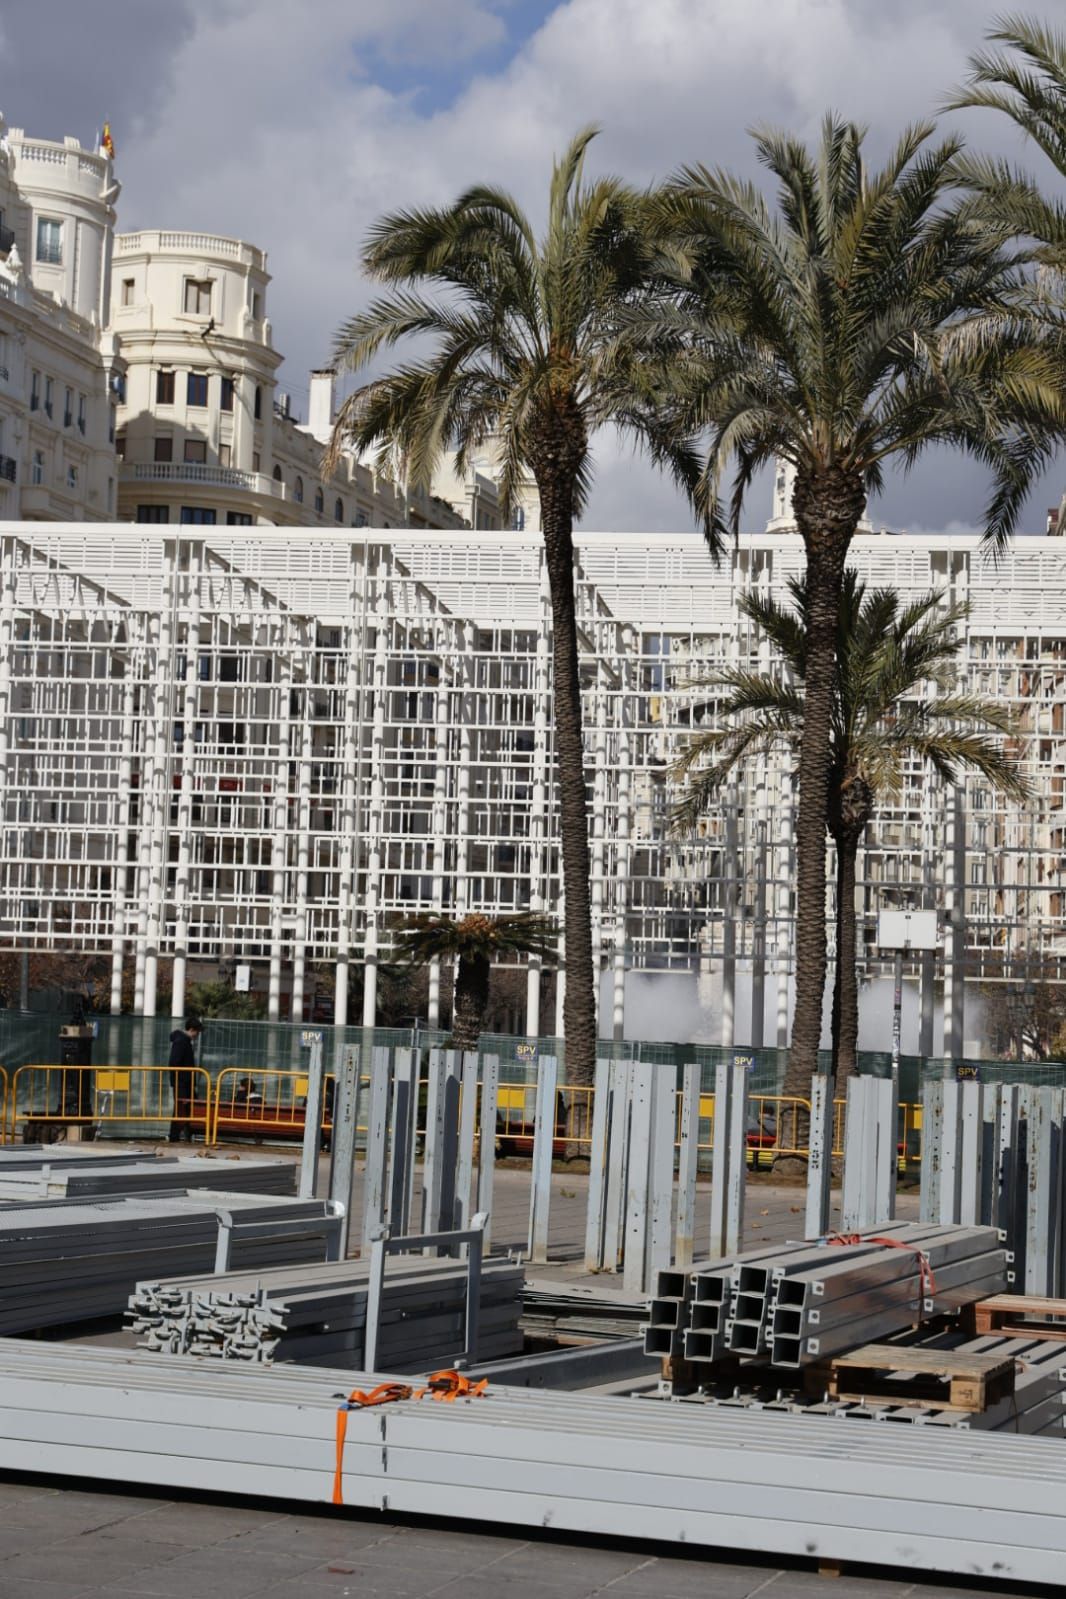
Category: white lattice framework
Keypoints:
(219, 746)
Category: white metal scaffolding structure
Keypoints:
(221, 745)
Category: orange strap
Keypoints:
(386, 1393)
(926, 1280)
(445, 1386)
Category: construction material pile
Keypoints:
(69, 1261)
(145, 1174)
(574, 1313)
(1035, 1402)
(318, 1315)
(799, 1303)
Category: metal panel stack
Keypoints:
(798, 1303)
(923, 1498)
(317, 1315)
(71, 1261)
(146, 1174)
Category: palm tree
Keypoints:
(1027, 82)
(473, 942)
(526, 350)
(895, 702)
(860, 321)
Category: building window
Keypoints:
(198, 296)
(153, 513)
(298, 491)
(225, 454)
(68, 407)
(238, 519)
(37, 470)
(277, 474)
(257, 305)
(127, 291)
(35, 392)
(255, 460)
(111, 494)
(111, 424)
(164, 448)
(81, 413)
(198, 515)
(120, 445)
(50, 241)
(258, 402)
(196, 393)
(361, 519)
(226, 397)
(196, 452)
(72, 478)
(49, 396)
(338, 510)
(164, 387)
(320, 502)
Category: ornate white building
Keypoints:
(206, 437)
(60, 369)
(219, 748)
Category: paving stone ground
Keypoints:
(62, 1540)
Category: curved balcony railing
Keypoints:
(220, 477)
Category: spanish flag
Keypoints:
(107, 142)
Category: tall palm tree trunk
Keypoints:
(471, 1000)
(827, 506)
(579, 1004)
(846, 986)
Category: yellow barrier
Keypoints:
(46, 1097)
(266, 1104)
(910, 1131)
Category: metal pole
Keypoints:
(819, 1158)
(375, 1292)
(312, 1122)
(897, 1012)
(540, 1186)
(684, 1248)
(342, 1140)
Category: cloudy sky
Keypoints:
(294, 125)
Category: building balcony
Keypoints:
(156, 241)
(218, 477)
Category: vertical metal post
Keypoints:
(374, 1295)
(342, 1139)
(312, 1122)
(431, 1158)
(932, 1137)
(720, 1157)
(897, 1010)
(972, 1154)
(1005, 1182)
(224, 1242)
(541, 1175)
(401, 1153)
(1039, 1224)
(687, 1166)
(660, 1171)
(819, 1158)
(467, 1128)
(950, 1156)
(885, 1103)
(594, 1216)
(449, 1153)
(376, 1144)
(738, 1164)
(636, 1218)
(486, 1170)
(852, 1197)
(473, 1291)
(618, 1111)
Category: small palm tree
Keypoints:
(1027, 82)
(894, 703)
(859, 321)
(473, 942)
(528, 348)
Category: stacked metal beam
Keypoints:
(1037, 1406)
(798, 1303)
(146, 1174)
(317, 1315)
(75, 1260)
(923, 1498)
(577, 1313)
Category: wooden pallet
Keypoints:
(949, 1379)
(1026, 1315)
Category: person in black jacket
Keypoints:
(182, 1079)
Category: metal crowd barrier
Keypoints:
(910, 1132)
(102, 1097)
(266, 1104)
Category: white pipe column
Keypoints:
(623, 828)
(376, 818)
(439, 823)
(538, 813)
(122, 835)
(279, 839)
(355, 636)
(188, 779)
(303, 841)
(783, 907)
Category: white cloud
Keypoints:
(295, 127)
